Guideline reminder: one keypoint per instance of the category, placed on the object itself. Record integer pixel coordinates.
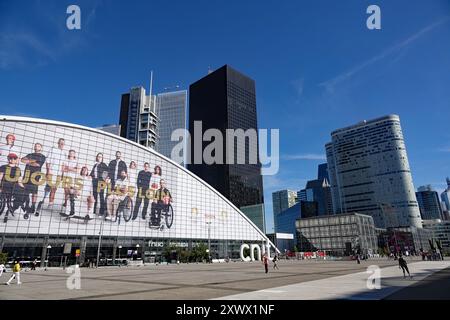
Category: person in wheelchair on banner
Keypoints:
(161, 201)
(11, 186)
(117, 195)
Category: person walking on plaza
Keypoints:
(404, 266)
(33, 265)
(266, 263)
(2, 268)
(16, 273)
(275, 259)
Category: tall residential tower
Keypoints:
(138, 120)
(370, 174)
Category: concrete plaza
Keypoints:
(236, 280)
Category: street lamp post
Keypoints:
(137, 251)
(209, 240)
(48, 254)
(120, 261)
(99, 241)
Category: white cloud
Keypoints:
(332, 83)
(23, 47)
(298, 86)
(275, 183)
(306, 156)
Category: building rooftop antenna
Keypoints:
(151, 84)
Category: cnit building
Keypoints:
(58, 198)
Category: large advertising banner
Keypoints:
(63, 179)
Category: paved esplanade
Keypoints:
(345, 279)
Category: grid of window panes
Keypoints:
(171, 110)
(333, 232)
(197, 208)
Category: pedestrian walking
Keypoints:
(275, 260)
(404, 266)
(2, 268)
(16, 273)
(357, 259)
(33, 265)
(266, 262)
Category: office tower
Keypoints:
(320, 192)
(171, 110)
(256, 214)
(369, 173)
(225, 99)
(322, 172)
(429, 204)
(283, 200)
(138, 119)
(111, 128)
(302, 195)
(445, 196)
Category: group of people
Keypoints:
(265, 261)
(101, 189)
(16, 272)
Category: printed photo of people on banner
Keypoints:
(98, 188)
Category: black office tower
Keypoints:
(225, 99)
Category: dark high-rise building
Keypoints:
(322, 172)
(225, 99)
(429, 204)
(321, 193)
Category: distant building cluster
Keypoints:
(363, 200)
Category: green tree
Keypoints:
(3, 257)
(199, 252)
(184, 255)
(168, 250)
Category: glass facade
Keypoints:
(370, 174)
(171, 110)
(72, 183)
(225, 99)
(440, 231)
(429, 204)
(282, 200)
(256, 214)
(339, 235)
(138, 119)
(285, 221)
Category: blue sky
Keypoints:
(316, 65)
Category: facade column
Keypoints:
(44, 252)
(115, 244)
(83, 250)
(2, 243)
(143, 250)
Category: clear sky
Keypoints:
(316, 66)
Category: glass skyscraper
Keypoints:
(171, 110)
(138, 120)
(370, 174)
(429, 204)
(283, 200)
(445, 196)
(226, 99)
